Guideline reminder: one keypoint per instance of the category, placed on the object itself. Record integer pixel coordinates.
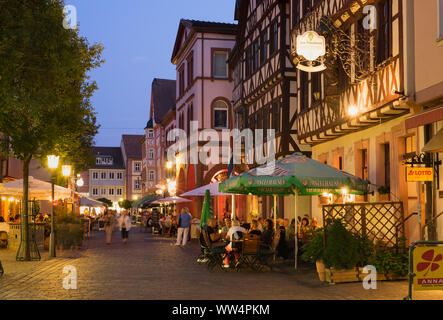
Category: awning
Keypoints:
(435, 144)
(88, 202)
(38, 189)
(212, 187)
(145, 200)
(424, 117)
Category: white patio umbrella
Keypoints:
(38, 189)
(200, 192)
(171, 200)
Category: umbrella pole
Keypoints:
(275, 212)
(233, 215)
(296, 229)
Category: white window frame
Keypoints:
(151, 153)
(150, 133)
(137, 164)
(119, 175)
(151, 175)
(103, 175)
(216, 52)
(119, 191)
(111, 191)
(137, 185)
(103, 192)
(111, 175)
(95, 191)
(95, 175)
(221, 109)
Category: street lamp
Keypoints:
(53, 165)
(66, 170)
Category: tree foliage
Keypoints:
(45, 89)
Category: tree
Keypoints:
(107, 202)
(125, 204)
(44, 87)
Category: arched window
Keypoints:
(220, 116)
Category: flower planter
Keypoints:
(339, 276)
(384, 197)
(321, 270)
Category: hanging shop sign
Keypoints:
(428, 268)
(419, 174)
(312, 48)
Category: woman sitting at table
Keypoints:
(254, 228)
(268, 234)
(234, 233)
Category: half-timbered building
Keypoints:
(353, 113)
(265, 83)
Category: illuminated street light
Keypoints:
(53, 162)
(344, 191)
(169, 165)
(80, 182)
(66, 170)
(353, 111)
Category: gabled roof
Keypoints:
(162, 99)
(114, 152)
(200, 26)
(132, 145)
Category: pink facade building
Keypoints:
(161, 121)
(131, 146)
(203, 94)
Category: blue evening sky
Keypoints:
(138, 37)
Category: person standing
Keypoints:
(184, 224)
(124, 222)
(108, 222)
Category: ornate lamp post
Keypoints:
(53, 165)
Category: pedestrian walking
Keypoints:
(109, 224)
(124, 222)
(184, 224)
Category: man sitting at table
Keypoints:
(234, 233)
(213, 237)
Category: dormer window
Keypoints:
(107, 161)
(151, 133)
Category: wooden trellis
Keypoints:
(382, 222)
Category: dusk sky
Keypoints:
(138, 37)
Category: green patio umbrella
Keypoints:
(145, 200)
(296, 174)
(206, 210)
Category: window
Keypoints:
(384, 31)
(220, 114)
(273, 47)
(98, 161)
(95, 175)
(94, 191)
(304, 91)
(316, 86)
(410, 144)
(151, 154)
(387, 164)
(190, 61)
(263, 48)
(181, 81)
(276, 118)
(150, 133)
(255, 58)
(306, 7)
(111, 191)
(119, 175)
(119, 191)
(440, 19)
(137, 167)
(295, 13)
(364, 164)
(190, 118)
(137, 184)
(103, 191)
(248, 62)
(151, 175)
(220, 67)
(103, 175)
(111, 175)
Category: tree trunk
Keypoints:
(24, 214)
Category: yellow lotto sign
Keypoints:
(419, 174)
(428, 268)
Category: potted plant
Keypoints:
(341, 255)
(313, 252)
(391, 265)
(68, 230)
(384, 193)
(366, 254)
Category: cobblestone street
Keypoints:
(150, 267)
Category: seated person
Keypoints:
(234, 233)
(254, 228)
(267, 236)
(214, 237)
